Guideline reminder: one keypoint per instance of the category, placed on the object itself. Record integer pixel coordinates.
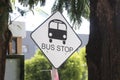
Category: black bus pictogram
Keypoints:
(57, 29)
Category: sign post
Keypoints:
(54, 74)
(56, 38)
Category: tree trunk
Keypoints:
(5, 35)
(103, 49)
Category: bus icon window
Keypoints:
(57, 29)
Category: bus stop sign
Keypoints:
(57, 40)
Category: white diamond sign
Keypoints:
(56, 39)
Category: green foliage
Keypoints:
(34, 67)
(74, 68)
(32, 3)
(75, 9)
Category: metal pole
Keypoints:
(54, 74)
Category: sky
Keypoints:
(32, 21)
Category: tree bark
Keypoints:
(5, 35)
(103, 49)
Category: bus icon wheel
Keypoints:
(63, 42)
(50, 40)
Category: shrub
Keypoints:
(75, 68)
